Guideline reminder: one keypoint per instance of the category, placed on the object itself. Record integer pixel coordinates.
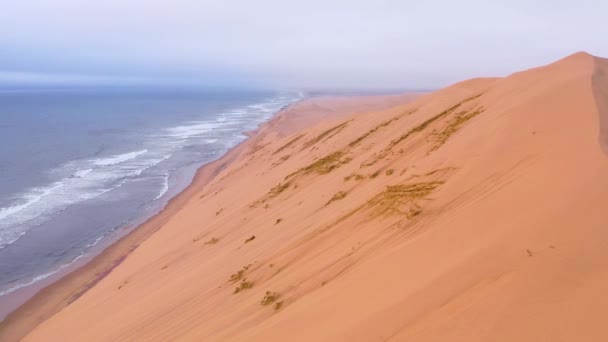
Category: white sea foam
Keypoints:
(195, 129)
(82, 173)
(40, 277)
(164, 188)
(117, 159)
(43, 200)
(29, 199)
(96, 241)
(82, 180)
(34, 205)
(10, 235)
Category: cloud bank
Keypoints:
(291, 44)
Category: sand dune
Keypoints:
(474, 213)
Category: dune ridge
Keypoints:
(600, 91)
(470, 214)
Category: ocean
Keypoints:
(75, 167)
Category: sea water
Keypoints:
(77, 166)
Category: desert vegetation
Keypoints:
(355, 176)
(244, 285)
(269, 298)
(453, 126)
(395, 197)
(212, 241)
(289, 143)
(326, 164)
(325, 135)
(417, 129)
(336, 197)
(376, 128)
(278, 189)
(239, 274)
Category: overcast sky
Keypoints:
(290, 44)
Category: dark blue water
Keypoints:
(75, 167)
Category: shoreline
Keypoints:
(62, 288)
(69, 286)
(18, 297)
(79, 199)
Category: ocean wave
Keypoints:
(94, 243)
(196, 129)
(164, 188)
(34, 196)
(39, 277)
(117, 159)
(40, 201)
(82, 173)
(86, 179)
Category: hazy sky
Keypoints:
(282, 43)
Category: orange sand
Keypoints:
(471, 214)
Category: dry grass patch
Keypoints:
(416, 190)
(320, 166)
(325, 135)
(336, 197)
(413, 211)
(288, 144)
(239, 275)
(328, 163)
(323, 165)
(381, 125)
(281, 160)
(355, 176)
(279, 189)
(269, 298)
(212, 241)
(403, 198)
(370, 132)
(419, 128)
(244, 285)
(453, 126)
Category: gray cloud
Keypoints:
(314, 43)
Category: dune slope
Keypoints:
(471, 214)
